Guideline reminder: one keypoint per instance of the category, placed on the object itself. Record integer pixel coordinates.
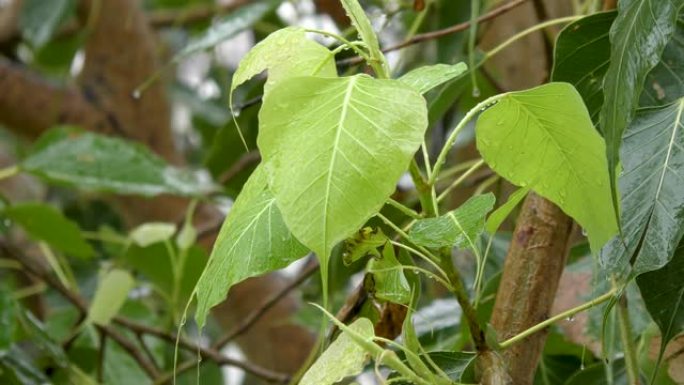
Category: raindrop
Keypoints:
(500, 123)
(237, 112)
(136, 93)
(584, 232)
(476, 92)
(571, 318)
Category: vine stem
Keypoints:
(566, 314)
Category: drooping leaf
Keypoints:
(343, 358)
(500, 214)
(228, 26)
(389, 281)
(582, 57)
(651, 188)
(543, 139)
(334, 149)
(45, 223)
(96, 162)
(111, 293)
(285, 53)
(425, 78)
(460, 228)
(665, 83)
(39, 19)
(153, 232)
(638, 36)
(663, 293)
(364, 28)
(252, 241)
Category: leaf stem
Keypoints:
(631, 362)
(411, 213)
(9, 171)
(460, 180)
(566, 314)
(425, 191)
(441, 159)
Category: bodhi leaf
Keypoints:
(459, 228)
(651, 186)
(425, 78)
(582, 56)
(285, 53)
(343, 358)
(252, 241)
(543, 139)
(638, 36)
(45, 223)
(110, 295)
(390, 284)
(335, 149)
(665, 83)
(364, 28)
(96, 162)
(663, 294)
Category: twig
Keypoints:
(441, 32)
(240, 165)
(174, 18)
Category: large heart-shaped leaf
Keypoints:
(582, 56)
(651, 187)
(543, 139)
(638, 36)
(335, 148)
(285, 53)
(253, 240)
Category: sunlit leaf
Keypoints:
(425, 78)
(343, 358)
(363, 27)
(45, 223)
(151, 233)
(638, 36)
(253, 240)
(390, 284)
(335, 149)
(111, 293)
(651, 188)
(458, 228)
(543, 139)
(96, 162)
(502, 212)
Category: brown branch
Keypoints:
(419, 38)
(240, 165)
(173, 18)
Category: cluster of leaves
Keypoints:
(602, 141)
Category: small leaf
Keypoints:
(500, 214)
(364, 28)
(638, 37)
(39, 19)
(285, 53)
(425, 78)
(543, 139)
(153, 232)
(460, 228)
(335, 149)
(96, 162)
(582, 56)
(45, 223)
(253, 240)
(111, 293)
(390, 284)
(651, 187)
(364, 242)
(228, 26)
(343, 358)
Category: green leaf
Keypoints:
(364, 28)
(663, 293)
(638, 37)
(651, 187)
(665, 83)
(38, 335)
(366, 241)
(390, 284)
(253, 240)
(150, 233)
(285, 53)
(8, 319)
(45, 223)
(111, 293)
(500, 214)
(96, 162)
(343, 358)
(39, 19)
(543, 139)
(425, 78)
(228, 26)
(582, 57)
(335, 148)
(460, 228)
